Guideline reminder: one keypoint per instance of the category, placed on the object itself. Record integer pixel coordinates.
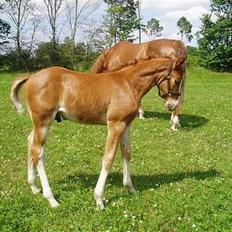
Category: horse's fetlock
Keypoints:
(97, 194)
(31, 181)
(47, 195)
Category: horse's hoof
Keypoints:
(174, 129)
(141, 117)
(99, 201)
(54, 203)
(100, 205)
(130, 189)
(35, 190)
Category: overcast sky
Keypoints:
(166, 11)
(169, 11)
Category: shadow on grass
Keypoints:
(186, 120)
(141, 182)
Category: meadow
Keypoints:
(183, 179)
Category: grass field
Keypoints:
(184, 179)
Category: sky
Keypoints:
(169, 11)
(166, 11)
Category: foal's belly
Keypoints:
(86, 116)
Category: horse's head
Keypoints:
(169, 86)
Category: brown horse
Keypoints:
(110, 99)
(126, 53)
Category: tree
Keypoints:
(153, 28)
(77, 12)
(139, 16)
(215, 37)
(35, 21)
(185, 28)
(53, 9)
(4, 31)
(121, 19)
(101, 39)
(19, 10)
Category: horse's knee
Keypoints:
(108, 161)
(126, 152)
(36, 154)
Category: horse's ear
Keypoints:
(179, 62)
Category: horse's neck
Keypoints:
(142, 84)
(149, 73)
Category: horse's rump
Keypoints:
(98, 66)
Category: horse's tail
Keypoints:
(99, 63)
(16, 85)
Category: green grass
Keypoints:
(184, 179)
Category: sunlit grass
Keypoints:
(184, 179)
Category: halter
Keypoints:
(170, 93)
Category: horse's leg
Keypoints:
(141, 112)
(175, 119)
(115, 130)
(31, 166)
(126, 154)
(40, 132)
(175, 114)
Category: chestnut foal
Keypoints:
(110, 99)
(125, 53)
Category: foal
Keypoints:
(125, 53)
(110, 99)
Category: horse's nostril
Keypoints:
(170, 106)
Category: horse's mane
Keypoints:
(98, 66)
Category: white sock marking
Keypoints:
(47, 192)
(98, 192)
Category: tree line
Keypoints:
(22, 23)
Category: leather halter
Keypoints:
(170, 93)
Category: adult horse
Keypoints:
(110, 99)
(126, 53)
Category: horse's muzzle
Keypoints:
(170, 105)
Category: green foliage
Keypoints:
(193, 56)
(185, 28)
(183, 179)
(9, 61)
(215, 37)
(121, 19)
(44, 54)
(193, 51)
(72, 56)
(153, 27)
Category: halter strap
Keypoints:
(168, 79)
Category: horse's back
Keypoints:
(124, 54)
(166, 48)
